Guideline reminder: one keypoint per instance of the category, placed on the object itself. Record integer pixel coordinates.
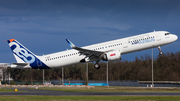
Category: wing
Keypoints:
(97, 55)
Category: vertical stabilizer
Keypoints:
(23, 55)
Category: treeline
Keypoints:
(166, 68)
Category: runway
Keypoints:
(27, 91)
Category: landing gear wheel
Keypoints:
(160, 52)
(97, 66)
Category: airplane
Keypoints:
(106, 51)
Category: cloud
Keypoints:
(85, 21)
(59, 25)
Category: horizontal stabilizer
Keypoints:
(20, 64)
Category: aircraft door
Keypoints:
(125, 44)
(158, 37)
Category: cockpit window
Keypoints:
(167, 34)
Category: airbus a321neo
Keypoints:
(106, 51)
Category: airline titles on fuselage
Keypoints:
(142, 40)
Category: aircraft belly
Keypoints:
(64, 62)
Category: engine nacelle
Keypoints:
(112, 55)
(85, 60)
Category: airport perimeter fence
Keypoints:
(110, 83)
(22, 82)
(119, 83)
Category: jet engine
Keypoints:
(87, 59)
(112, 55)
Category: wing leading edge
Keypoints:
(89, 53)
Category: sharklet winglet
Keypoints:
(70, 43)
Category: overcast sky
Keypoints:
(43, 25)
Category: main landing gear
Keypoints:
(96, 65)
(160, 52)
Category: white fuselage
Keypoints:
(125, 45)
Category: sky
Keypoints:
(43, 25)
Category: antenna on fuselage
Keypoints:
(154, 31)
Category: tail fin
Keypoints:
(21, 53)
(25, 57)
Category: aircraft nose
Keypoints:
(174, 37)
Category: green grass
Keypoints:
(89, 98)
(111, 89)
(9, 89)
(6, 90)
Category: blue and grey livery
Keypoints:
(24, 57)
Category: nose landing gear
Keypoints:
(160, 52)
